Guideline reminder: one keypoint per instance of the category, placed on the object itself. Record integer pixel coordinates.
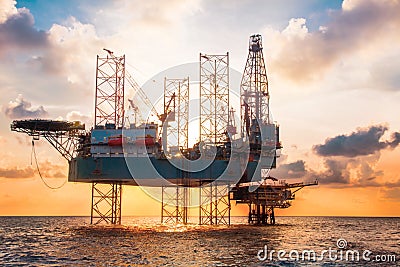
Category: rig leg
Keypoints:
(215, 205)
(249, 219)
(206, 204)
(263, 215)
(272, 216)
(253, 213)
(174, 204)
(106, 203)
(258, 214)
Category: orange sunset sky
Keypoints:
(334, 79)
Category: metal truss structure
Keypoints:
(109, 112)
(231, 128)
(176, 112)
(260, 213)
(65, 144)
(106, 203)
(110, 79)
(214, 98)
(266, 198)
(254, 86)
(215, 204)
(175, 202)
(64, 136)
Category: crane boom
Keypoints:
(138, 90)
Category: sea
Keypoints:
(144, 241)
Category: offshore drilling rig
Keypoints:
(227, 164)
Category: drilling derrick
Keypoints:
(254, 91)
(257, 125)
(263, 136)
(262, 133)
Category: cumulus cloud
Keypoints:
(78, 116)
(360, 143)
(20, 108)
(18, 32)
(63, 56)
(52, 170)
(360, 172)
(72, 51)
(391, 194)
(395, 140)
(7, 9)
(352, 159)
(347, 160)
(295, 169)
(296, 29)
(336, 171)
(304, 55)
(47, 169)
(16, 172)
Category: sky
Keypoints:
(334, 79)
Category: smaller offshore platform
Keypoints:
(229, 163)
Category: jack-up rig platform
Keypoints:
(227, 164)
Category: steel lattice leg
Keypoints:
(106, 203)
(215, 204)
(174, 204)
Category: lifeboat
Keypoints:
(115, 140)
(147, 141)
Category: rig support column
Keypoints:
(106, 203)
(176, 112)
(174, 204)
(214, 98)
(272, 216)
(215, 206)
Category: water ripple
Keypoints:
(70, 241)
